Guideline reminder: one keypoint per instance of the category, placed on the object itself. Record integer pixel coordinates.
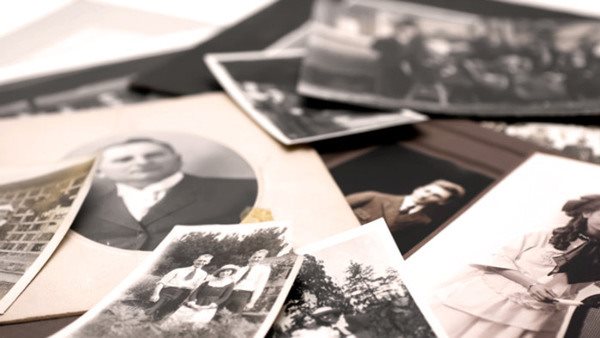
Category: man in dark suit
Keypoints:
(403, 213)
(141, 194)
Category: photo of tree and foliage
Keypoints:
(350, 289)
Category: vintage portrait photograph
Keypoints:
(353, 285)
(574, 141)
(533, 270)
(148, 183)
(35, 215)
(414, 192)
(391, 54)
(264, 85)
(203, 281)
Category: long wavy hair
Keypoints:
(563, 236)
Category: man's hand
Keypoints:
(541, 293)
(249, 306)
(154, 298)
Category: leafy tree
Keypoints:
(229, 249)
(313, 288)
(362, 285)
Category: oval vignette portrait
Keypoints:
(147, 183)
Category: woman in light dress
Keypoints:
(523, 290)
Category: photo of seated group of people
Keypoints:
(394, 54)
(235, 285)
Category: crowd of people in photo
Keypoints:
(406, 56)
(502, 61)
(190, 294)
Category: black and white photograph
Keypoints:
(574, 141)
(203, 281)
(354, 285)
(148, 183)
(523, 260)
(35, 214)
(391, 54)
(113, 92)
(414, 192)
(263, 84)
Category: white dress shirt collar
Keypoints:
(409, 203)
(139, 201)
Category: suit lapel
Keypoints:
(112, 209)
(390, 208)
(180, 196)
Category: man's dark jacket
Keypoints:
(195, 200)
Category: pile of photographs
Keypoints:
(435, 236)
(362, 65)
(522, 248)
(242, 280)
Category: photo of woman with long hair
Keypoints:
(526, 289)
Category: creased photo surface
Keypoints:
(522, 261)
(35, 214)
(354, 284)
(201, 281)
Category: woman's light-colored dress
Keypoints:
(484, 303)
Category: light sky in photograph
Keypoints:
(367, 249)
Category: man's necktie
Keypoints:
(190, 275)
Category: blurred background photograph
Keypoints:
(397, 54)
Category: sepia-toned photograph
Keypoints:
(148, 183)
(353, 285)
(523, 259)
(392, 54)
(574, 141)
(202, 281)
(414, 192)
(35, 215)
(263, 84)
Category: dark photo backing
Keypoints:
(398, 170)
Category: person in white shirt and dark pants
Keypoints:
(173, 289)
(251, 282)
